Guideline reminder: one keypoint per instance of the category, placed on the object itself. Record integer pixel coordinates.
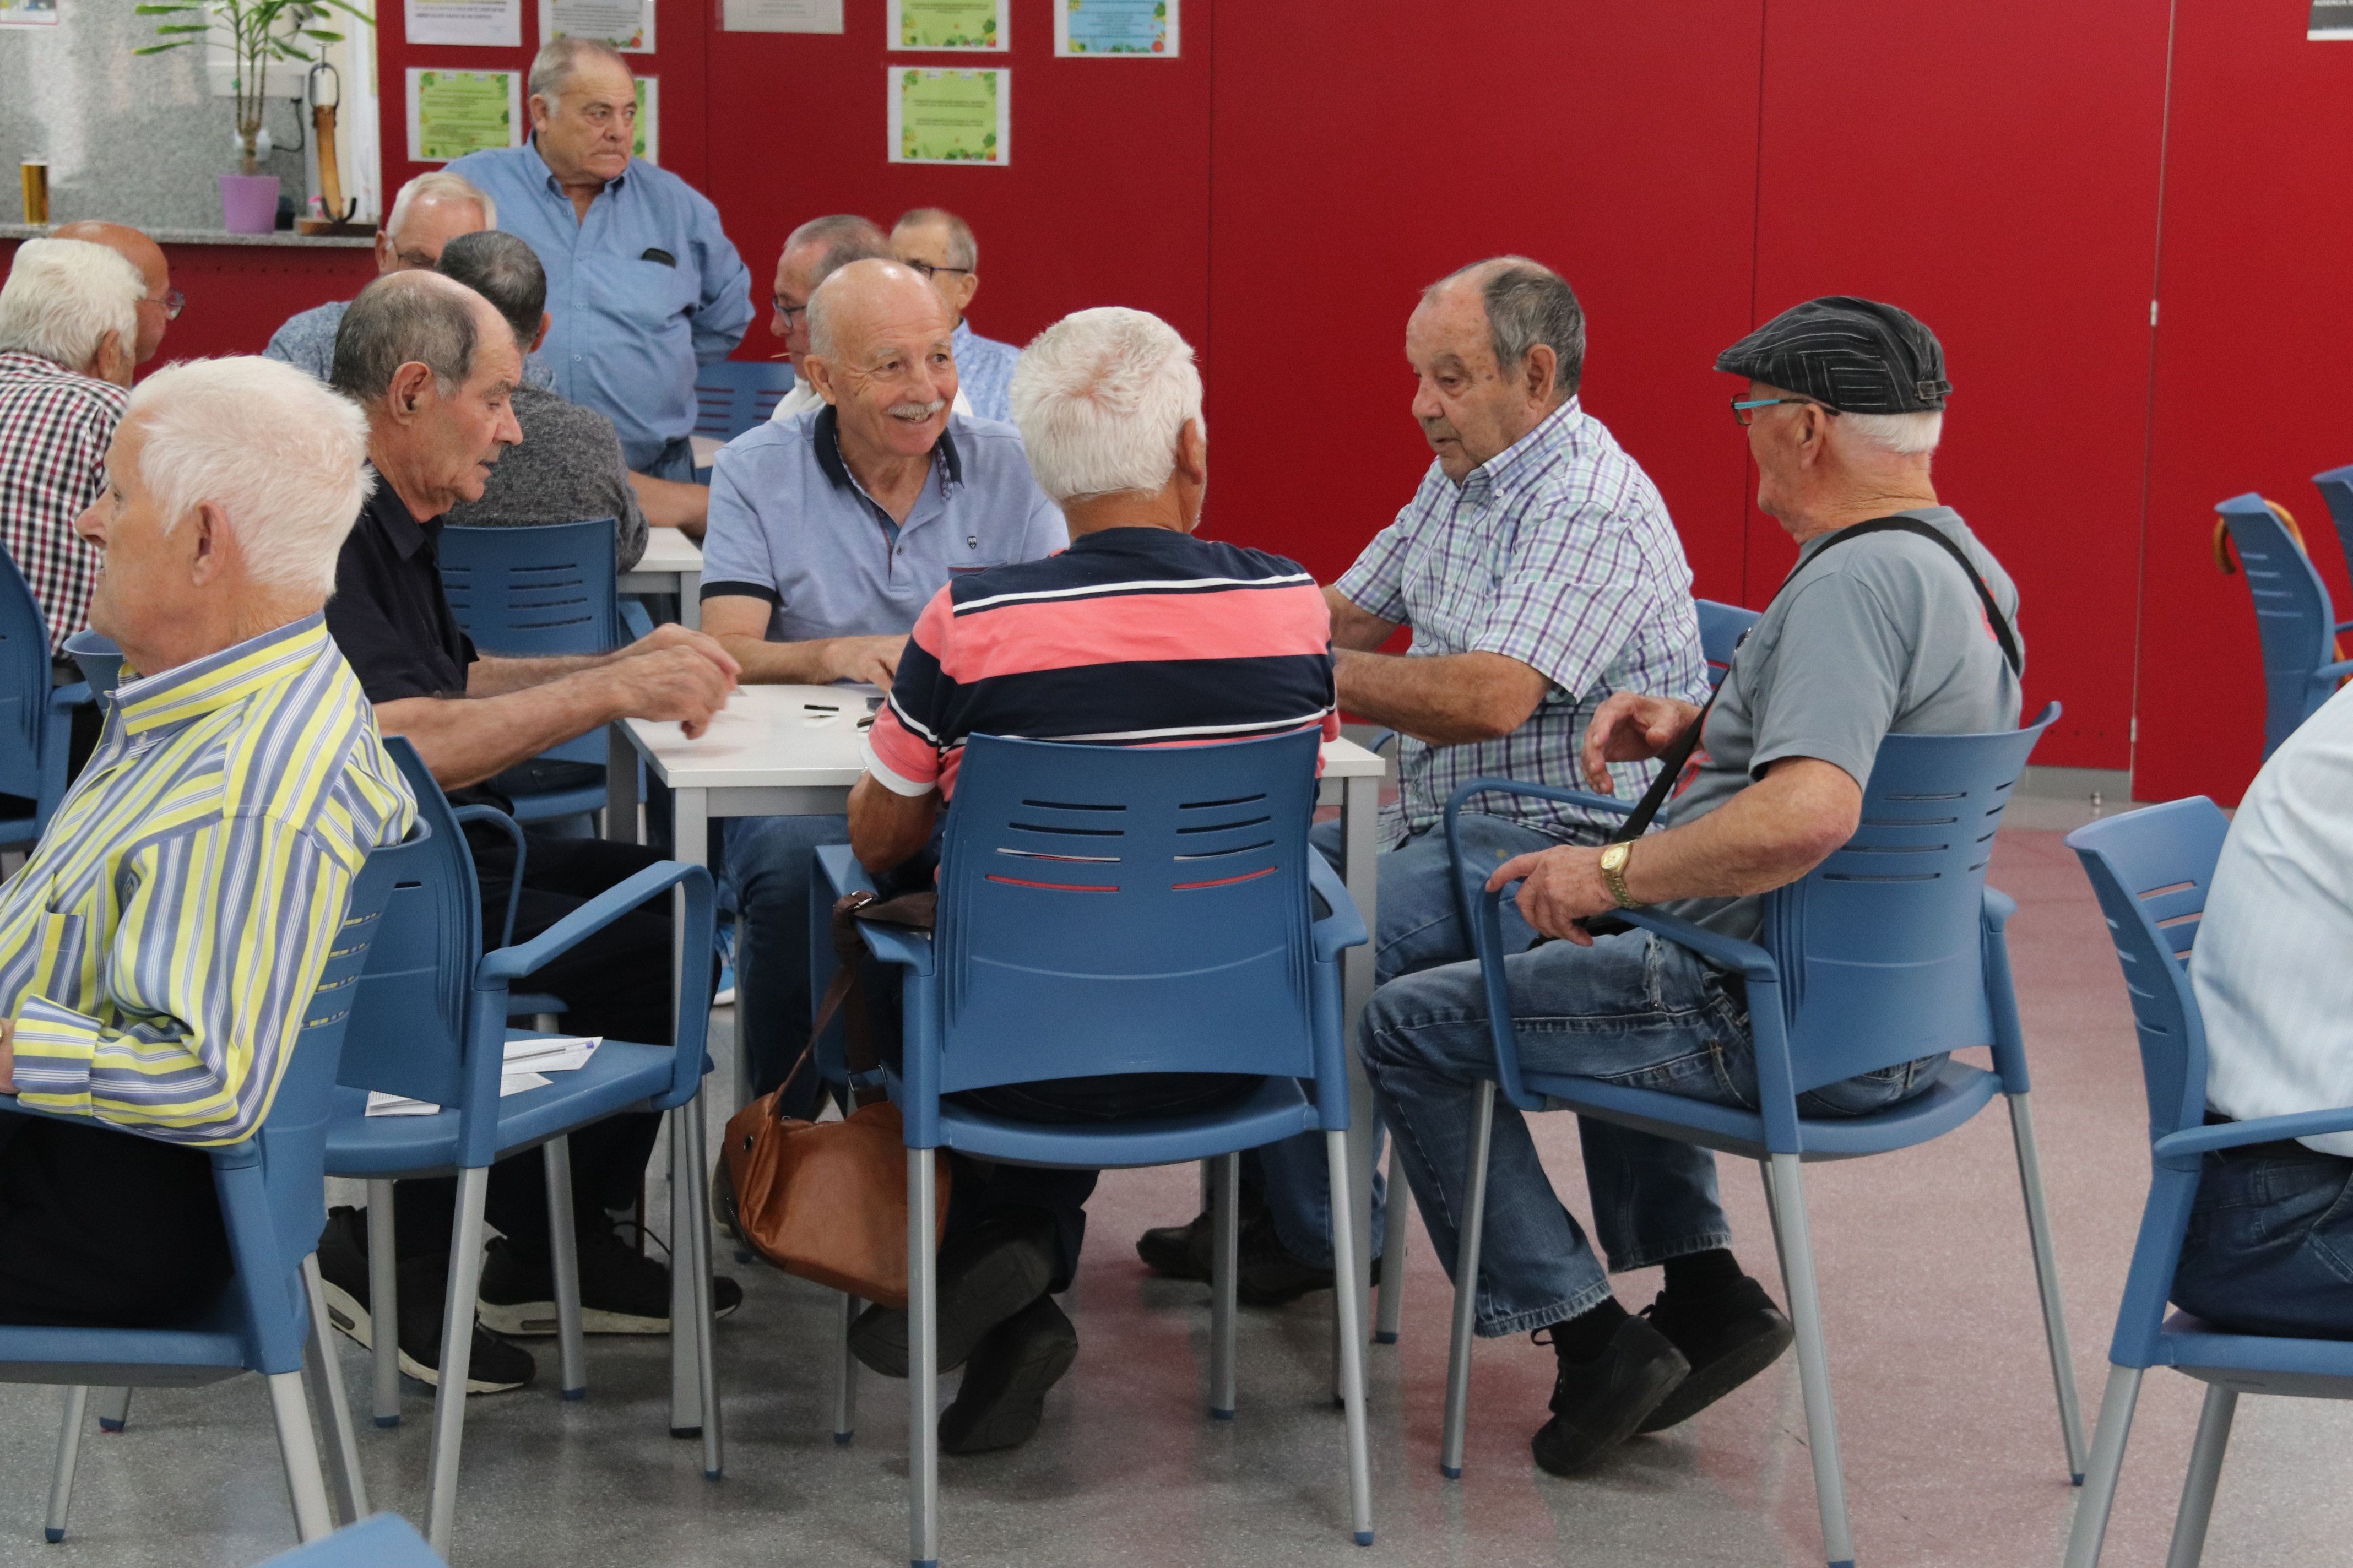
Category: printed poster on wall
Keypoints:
(2331, 19)
(452, 114)
(29, 13)
(946, 25)
(950, 116)
(1130, 29)
(487, 24)
(780, 16)
(648, 144)
(627, 25)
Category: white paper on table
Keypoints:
(553, 1053)
(491, 23)
(780, 16)
(510, 1082)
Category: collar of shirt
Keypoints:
(408, 533)
(206, 685)
(1500, 476)
(946, 465)
(33, 367)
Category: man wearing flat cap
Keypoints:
(1878, 630)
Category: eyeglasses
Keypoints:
(1744, 408)
(173, 301)
(928, 270)
(786, 312)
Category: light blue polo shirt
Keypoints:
(790, 524)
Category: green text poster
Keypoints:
(452, 114)
(950, 116)
(947, 24)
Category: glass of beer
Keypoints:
(36, 189)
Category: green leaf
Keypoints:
(323, 35)
(186, 27)
(158, 48)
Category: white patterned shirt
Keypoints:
(55, 428)
(1557, 552)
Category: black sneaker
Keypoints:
(987, 1276)
(622, 1291)
(1178, 1251)
(494, 1366)
(1728, 1336)
(1003, 1397)
(1598, 1404)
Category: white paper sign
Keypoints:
(489, 23)
(627, 25)
(780, 16)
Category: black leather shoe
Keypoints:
(1003, 1397)
(1178, 1251)
(1728, 1336)
(1598, 1404)
(984, 1277)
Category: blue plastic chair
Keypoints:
(2151, 869)
(1721, 627)
(432, 1025)
(2293, 616)
(545, 590)
(384, 1540)
(35, 721)
(101, 663)
(1889, 949)
(272, 1195)
(733, 395)
(2336, 490)
(1118, 910)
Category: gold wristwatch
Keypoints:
(1613, 873)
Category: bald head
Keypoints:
(872, 296)
(156, 310)
(879, 352)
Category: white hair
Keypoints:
(283, 458)
(1902, 434)
(63, 296)
(1101, 397)
(441, 185)
(558, 60)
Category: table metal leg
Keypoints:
(689, 600)
(620, 786)
(1360, 807)
(690, 808)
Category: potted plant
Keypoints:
(255, 32)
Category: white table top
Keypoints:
(807, 737)
(668, 550)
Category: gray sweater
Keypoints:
(567, 469)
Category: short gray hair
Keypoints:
(283, 458)
(846, 238)
(63, 296)
(441, 185)
(1902, 434)
(964, 250)
(1101, 397)
(400, 318)
(504, 269)
(560, 56)
(1527, 303)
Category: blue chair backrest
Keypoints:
(2336, 490)
(1880, 947)
(2151, 869)
(540, 592)
(383, 1540)
(1721, 627)
(1118, 910)
(24, 686)
(409, 1033)
(2293, 616)
(735, 396)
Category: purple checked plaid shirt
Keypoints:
(1557, 552)
(54, 431)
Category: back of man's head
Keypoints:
(845, 238)
(962, 250)
(505, 271)
(438, 185)
(62, 299)
(1527, 303)
(402, 318)
(1101, 397)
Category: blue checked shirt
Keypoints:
(985, 371)
(1558, 553)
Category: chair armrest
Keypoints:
(513, 829)
(1344, 926)
(635, 621)
(64, 697)
(2343, 626)
(510, 963)
(2338, 671)
(1999, 907)
(1539, 791)
(1752, 961)
(1379, 738)
(898, 945)
(2184, 1148)
(246, 1151)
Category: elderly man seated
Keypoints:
(829, 533)
(1110, 408)
(813, 253)
(157, 952)
(1874, 634)
(435, 367)
(429, 212)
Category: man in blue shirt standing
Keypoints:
(642, 282)
(940, 245)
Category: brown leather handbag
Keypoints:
(827, 1200)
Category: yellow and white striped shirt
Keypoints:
(158, 950)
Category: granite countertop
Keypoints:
(213, 236)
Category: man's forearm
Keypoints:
(1768, 835)
(887, 828)
(670, 503)
(781, 663)
(465, 740)
(1446, 700)
(492, 676)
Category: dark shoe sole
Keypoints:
(1008, 1415)
(1769, 1335)
(1000, 1283)
(1564, 1451)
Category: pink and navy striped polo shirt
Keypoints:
(1131, 636)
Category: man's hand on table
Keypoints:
(677, 682)
(1632, 728)
(675, 635)
(1562, 887)
(874, 660)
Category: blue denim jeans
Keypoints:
(771, 861)
(2270, 1245)
(1634, 1009)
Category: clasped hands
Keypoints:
(1561, 886)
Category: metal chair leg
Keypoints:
(1788, 1198)
(686, 1412)
(2205, 1471)
(1225, 1266)
(563, 1258)
(2091, 1527)
(922, 1364)
(113, 1409)
(298, 1445)
(384, 1304)
(1466, 1282)
(457, 1359)
(2046, 1280)
(697, 1256)
(1352, 1341)
(845, 1375)
(324, 1376)
(61, 1478)
(1393, 1221)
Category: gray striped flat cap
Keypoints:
(1857, 355)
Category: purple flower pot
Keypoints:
(248, 203)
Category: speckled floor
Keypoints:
(1951, 1444)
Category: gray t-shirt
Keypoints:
(1885, 635)
(567, 469)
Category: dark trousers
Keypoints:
(614, 983)
(2270, 1245)
(102, 1228)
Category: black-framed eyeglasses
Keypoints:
(1744, 409)
(785, 310)
(173, 301)
(928, 270)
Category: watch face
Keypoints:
(1615, 855)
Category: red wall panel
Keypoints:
(238, 294)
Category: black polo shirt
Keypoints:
(389, 615)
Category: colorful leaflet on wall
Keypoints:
(627, 25)
(648, 144)
(780, 16)
(29, 13)
(452, 114)
(485, 24)
(950, 116)
(946, 25)
(1116, 29)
